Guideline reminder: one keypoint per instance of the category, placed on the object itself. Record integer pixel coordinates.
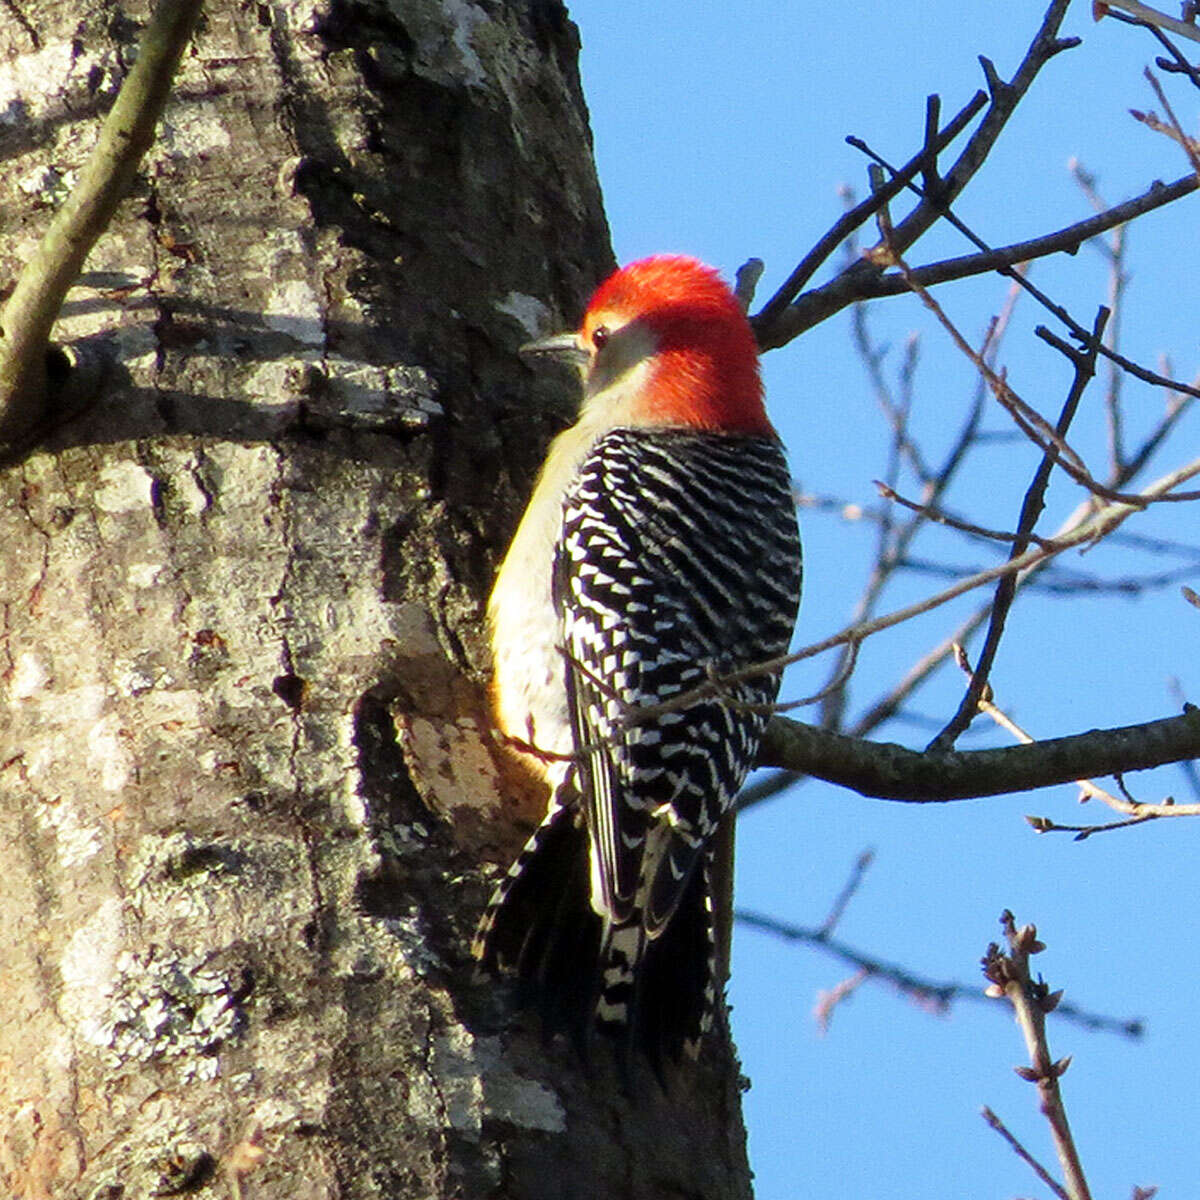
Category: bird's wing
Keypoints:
(658, 592)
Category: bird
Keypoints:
(657, 564)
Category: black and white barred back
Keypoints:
(678, 563)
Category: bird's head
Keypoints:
(665, 343)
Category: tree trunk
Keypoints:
(250, 806)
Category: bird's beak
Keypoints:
(563, 346)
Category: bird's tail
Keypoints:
(539, 925)
(582, 972)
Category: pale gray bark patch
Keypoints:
(247, 791)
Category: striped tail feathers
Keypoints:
(677, 993)
(654, 992)
(540, 927)
(671, 857)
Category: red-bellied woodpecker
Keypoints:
(658, 555)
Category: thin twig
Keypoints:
(1099, 524)
(1083, 832)
(1177, 64)
(1057, 580)
(1176, 407)
(1137, 811)
(849, 890)
(845, 668)
(1031, 509)
(987, 706)
(820, 304)
(794, 747)
(1030, 422)
(784, 317)
(1077, 331)
(746, 281)
(873, 356)
(1032, 1163)
(895, 540)
(861, 213)
(1188, 144)
(830, 999)
(930, 993)
(1148, 15)
(887, 706)
(1114, 251)
(1156, 124)
(940, 517)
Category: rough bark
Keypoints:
(246, 794)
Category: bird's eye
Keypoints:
(600, 336)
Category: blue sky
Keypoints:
(720, 132)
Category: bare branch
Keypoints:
(845, 667)
(950, 522)
(1077, 331)
(891, 772)
(746, 281)
(1176, 407)
(1057, 580)
(861, 213)
(783, 319)
(1062, 241)
(1096, 526)
(889, 704)
(1149, 16)
(1177, 64)
(1188, 144)
(1068, 239)
(899, 774)
(1028, 419)
(1138, 812)
(1023, 1154)
(1031, 510)
(1082, 832)
(126, 135)
(849, 890)
(1031, 1000)
(895, 539)
(934, 994)
(1113, 250)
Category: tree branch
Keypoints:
(1031, 509)
(1032, 1000)
(890, 772)
(1149, 16)
(862, 212)
(1036, 1167)
(781, 321)
(821, 303)
(939, 994)
(911, 279)
(126, 135)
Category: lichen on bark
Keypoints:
(249, 802)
